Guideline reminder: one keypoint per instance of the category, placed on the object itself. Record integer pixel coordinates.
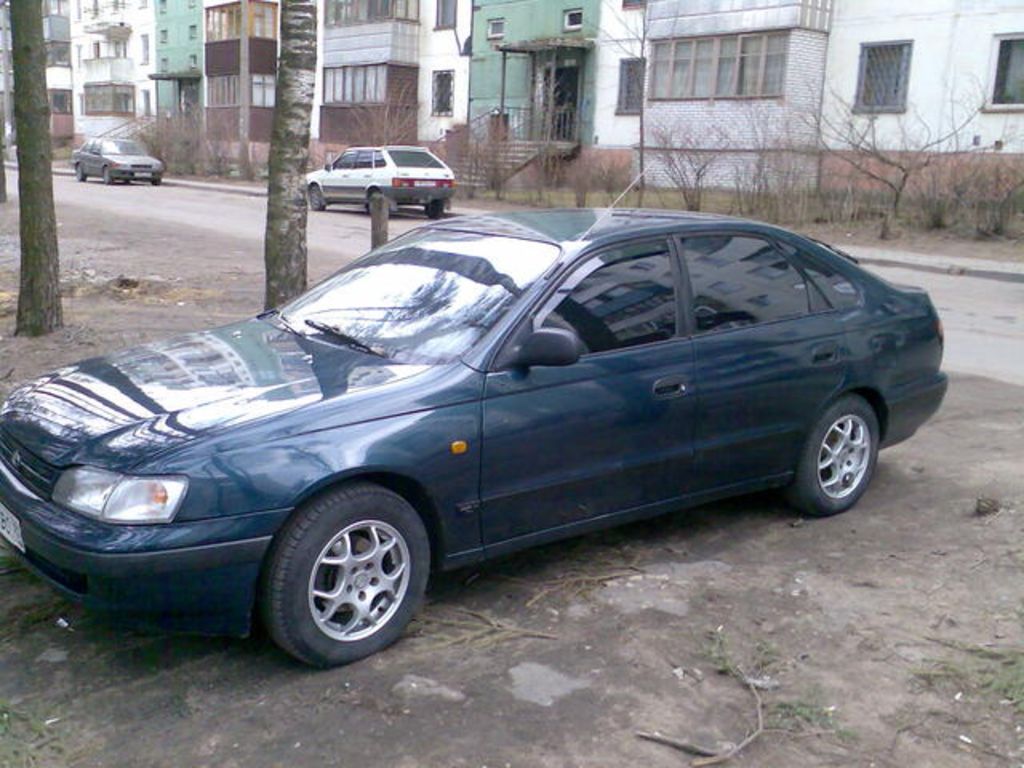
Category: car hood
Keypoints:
(120, 410)
(134, 159)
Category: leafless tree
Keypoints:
(688, 160)
(393, 122)
(892, 159)
(287, 210)
(39, 307)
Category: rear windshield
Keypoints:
(412, 158)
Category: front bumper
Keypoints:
(193, 576)
(135, 174)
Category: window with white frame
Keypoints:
(495, 29)
(339, 13)
(1009, 84)
(222, 91)
(719, 67)
(572, 20)
(263, 90)
(441, 103)
(144, 45)
(631, 86)
(108, 100)
(356, 85)
(883, 77)
(446, 14)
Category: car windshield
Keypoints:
(413, 158)
(424, 299)
(122, 148)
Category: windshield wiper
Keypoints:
(344, 338)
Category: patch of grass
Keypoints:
(21, 619)
(996, 671)
(25, 740)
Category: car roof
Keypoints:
(388, 148)
(587, 226)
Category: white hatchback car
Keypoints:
(404, 175)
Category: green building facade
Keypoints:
(533, 73)
(179, 56)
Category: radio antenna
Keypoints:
(611, 208)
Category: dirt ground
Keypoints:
(889, 636)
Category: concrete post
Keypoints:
(380, 212)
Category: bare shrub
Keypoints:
(612, 173)
(686, 161)
(176, 141)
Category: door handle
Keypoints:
(669, 387)
(824, 354)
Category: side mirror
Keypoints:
(549, 347)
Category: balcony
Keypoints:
(107, 18)
(109, 69)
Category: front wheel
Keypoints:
(345, 575)
(838, 460)
(107, 178)
(156, 181)
(80, 172)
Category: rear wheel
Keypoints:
(156, 181)
(316, 198)
(838, 460)
(435, 209)
(80, 172)
(345, 575)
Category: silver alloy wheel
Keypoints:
(359, 580)
(844, 456)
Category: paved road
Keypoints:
(982, 317)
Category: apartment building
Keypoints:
(923, 72)
(57, 36)
(179, 57)
(446, 27)
(240, 68)
(112, 49)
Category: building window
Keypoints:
(356, 85)
(78, 55)
(147, 103)
(109, 100)
(163, 37)
(1009, 88)
(884, 73)
(55, 8)
(165, 64)
(58, 54)
(263, 90)
(222, 91)
(443, 86)
(628, 5)
(572, 20)
(144, 40)
(60, 102)
(631, 86)
(719, 67)
(163, 6)
(495, 29)
(223, 22)
(193, 32)
(339, 13)
(263, 20)
(193, 61)
(446, 10)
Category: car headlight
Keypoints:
(120, 498)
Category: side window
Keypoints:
(378, 160)
(837, 290)
(622, 298)
(345, 162)
(364, 160)
(740, 280)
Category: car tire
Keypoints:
(345, 575)
(156, 181)
(370, 196)
(434, 209)
(316, 198)
(80, 172)
(838, 460)
(107, 178)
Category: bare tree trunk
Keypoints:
(5, 62)
(285, 242)
(39, 309)
(244, 94)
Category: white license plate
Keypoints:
(10, 528)
(426, 183)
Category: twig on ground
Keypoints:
(750, 738)
(479, 629)
(682, 746)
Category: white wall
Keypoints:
(952, 68)
(439, 50)
(619, 36)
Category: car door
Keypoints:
(362, 175)
(335, 182)
(89, 158)
(610, 433)
(767, 360)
